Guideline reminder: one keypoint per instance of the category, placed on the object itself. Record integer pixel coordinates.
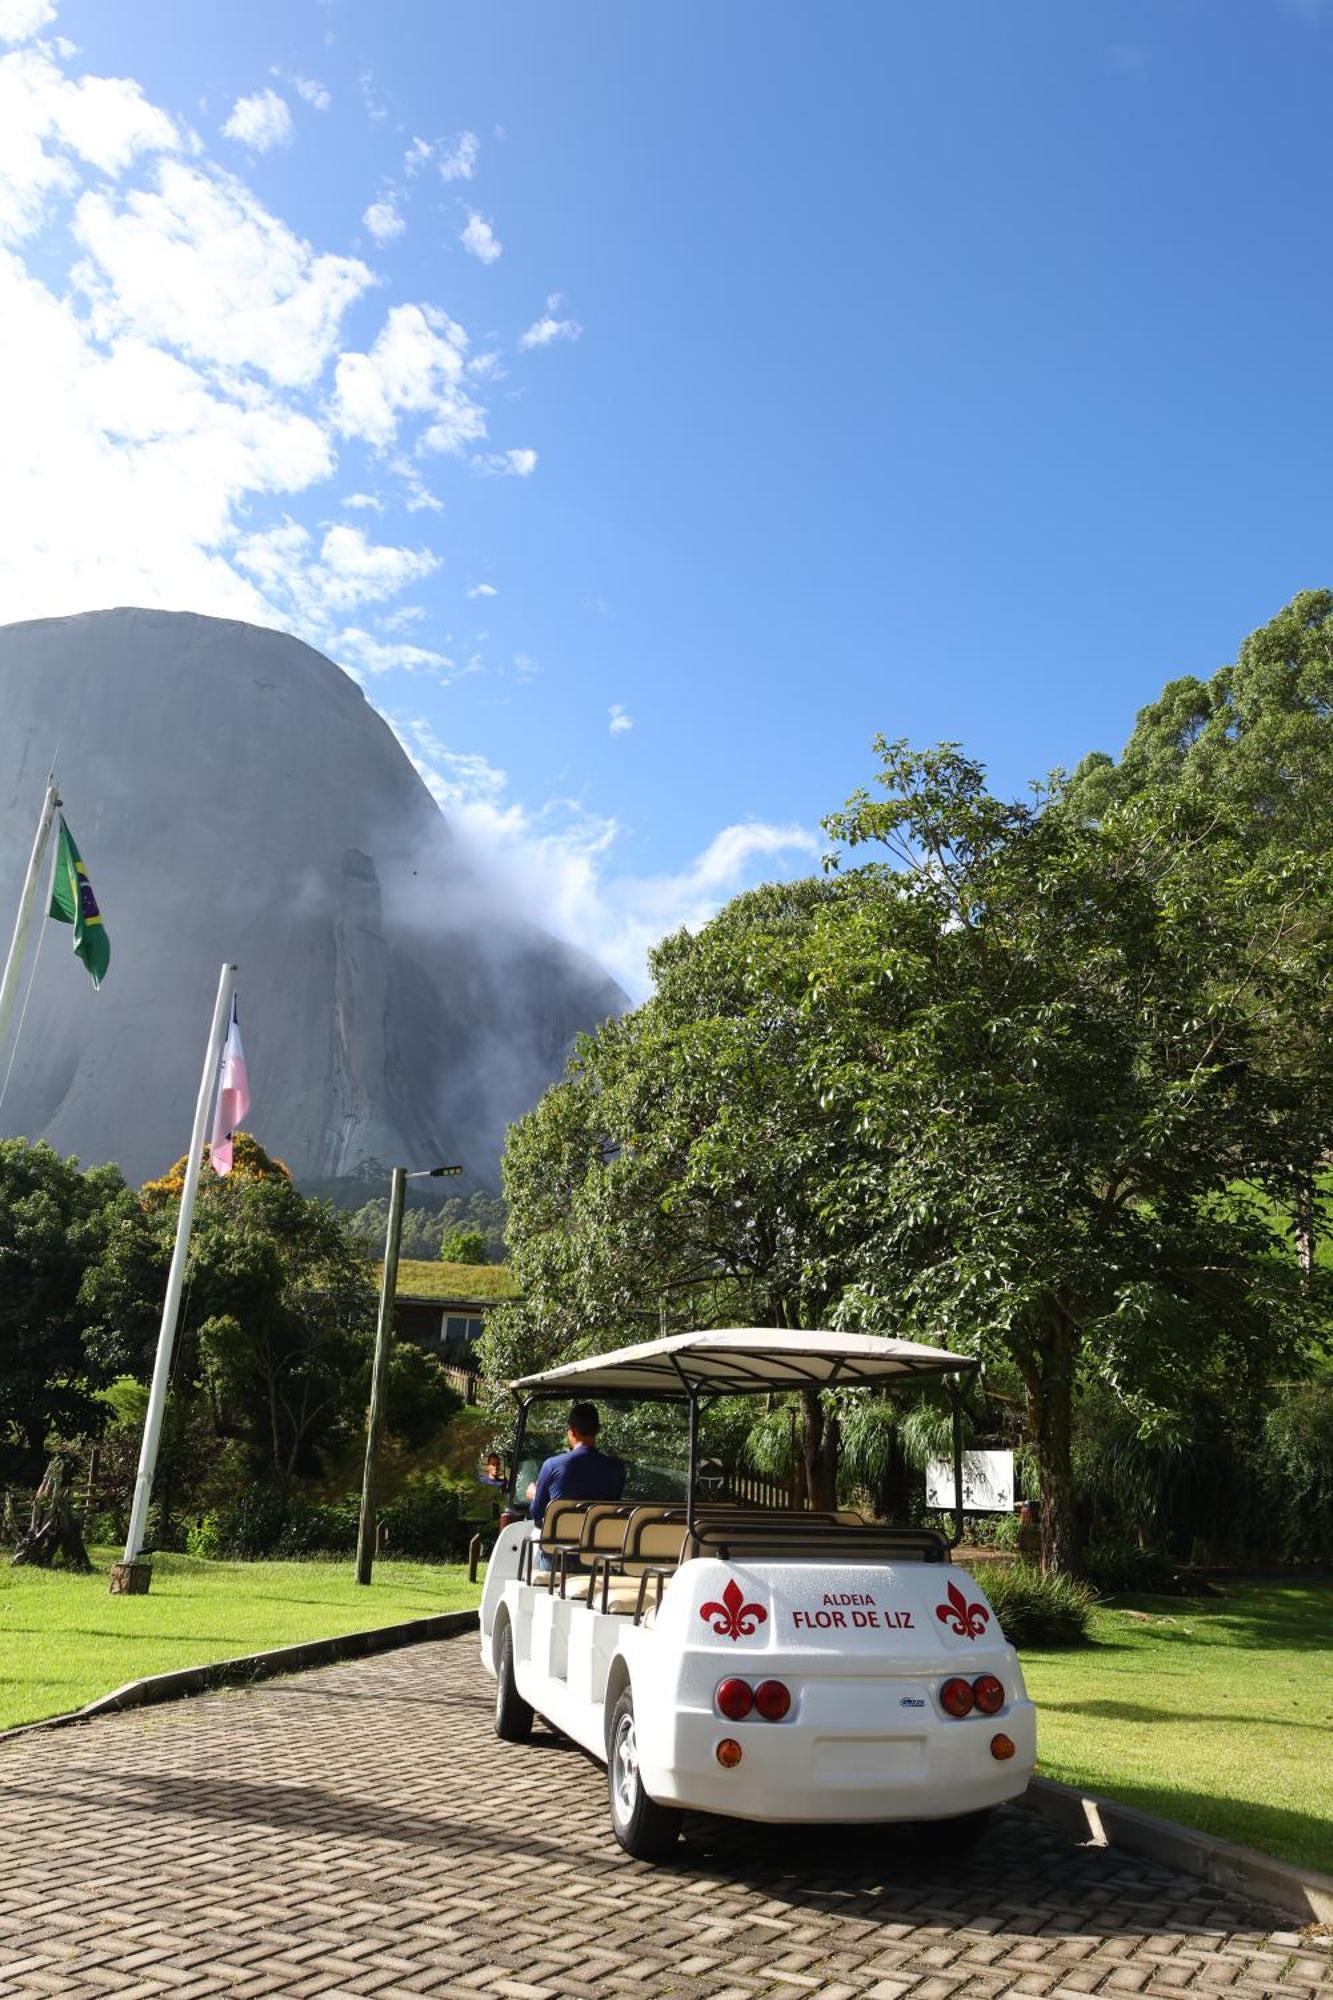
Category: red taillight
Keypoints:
(729, 1753)
(734, 1699)
(956, 1697)
(989, 1694)
(772, 1699)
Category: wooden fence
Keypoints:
(754, 1489)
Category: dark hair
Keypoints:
(584, 1420)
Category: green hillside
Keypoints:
(419, 1278)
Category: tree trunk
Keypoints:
(1303, 1226)
(820, 1442)
(1050, 1400)
(52, 1530)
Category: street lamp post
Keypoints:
(379, 1378)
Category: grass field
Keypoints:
(64, 1640)
(420, 1279)
(1214, 1711)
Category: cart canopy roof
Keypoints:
(746, 1360)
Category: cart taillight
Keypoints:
(989, 1694)
(956, 1697)
(735, 1699)
(773, 1700)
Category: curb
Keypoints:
(1090, 1816)
(257, 1666)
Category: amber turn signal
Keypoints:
(728, 1753)
(1002, 1747)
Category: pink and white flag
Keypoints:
(233, 1096)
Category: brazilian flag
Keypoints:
(73, 902)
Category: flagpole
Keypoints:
(126, 1575)
(10, 981)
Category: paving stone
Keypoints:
(358, 1831)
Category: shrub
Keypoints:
(1115, 1567)
(1037, 1610)
(425, 1522)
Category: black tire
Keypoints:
(513, 1715)
(956, 1836)
(644, 1829)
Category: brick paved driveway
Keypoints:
(359, 1831)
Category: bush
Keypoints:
(1113, 1568)
(1037, 1610)
(463, 1246)
(426, 1522)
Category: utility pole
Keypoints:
(379, 1378)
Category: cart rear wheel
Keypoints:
(644, 1829)
(513, 1715)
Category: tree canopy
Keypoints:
(1021, 1082)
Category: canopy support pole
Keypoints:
(693, 1474)
(516, 1451)
(956, 1399)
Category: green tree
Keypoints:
(1018, 1088)
(677, 1175)
(61, 1316)
(281, 1314)
(463, 1246)
(1068, 1092)
(1258, 737)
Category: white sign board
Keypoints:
(988, 1482)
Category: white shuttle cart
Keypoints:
(768, 1664)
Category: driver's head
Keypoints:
(584, 1423)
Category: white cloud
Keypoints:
(483, 590)
(260, 122)
(416, 156)
(516, 464)
(381, 656)
(548, 328)
(353, 570)
(201, 264)
(48, 124)
(414, 493)
(383, 220)
(124, 467)
(459, 162)
(621, 722)
(560, 860)
(376, 109)
(415, 366)
(480, 239)
(21, 19)
(313, 91)
(366, 501)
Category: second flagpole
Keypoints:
(130, 1575)
(9, 979)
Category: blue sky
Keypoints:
(648, 403)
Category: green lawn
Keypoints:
(419, 1278)
(1214, 1711)
(64, 1640)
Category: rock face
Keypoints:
(235, 797)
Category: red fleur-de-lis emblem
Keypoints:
(733, 1618)
(969, 1621)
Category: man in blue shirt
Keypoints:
(582, 1472)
